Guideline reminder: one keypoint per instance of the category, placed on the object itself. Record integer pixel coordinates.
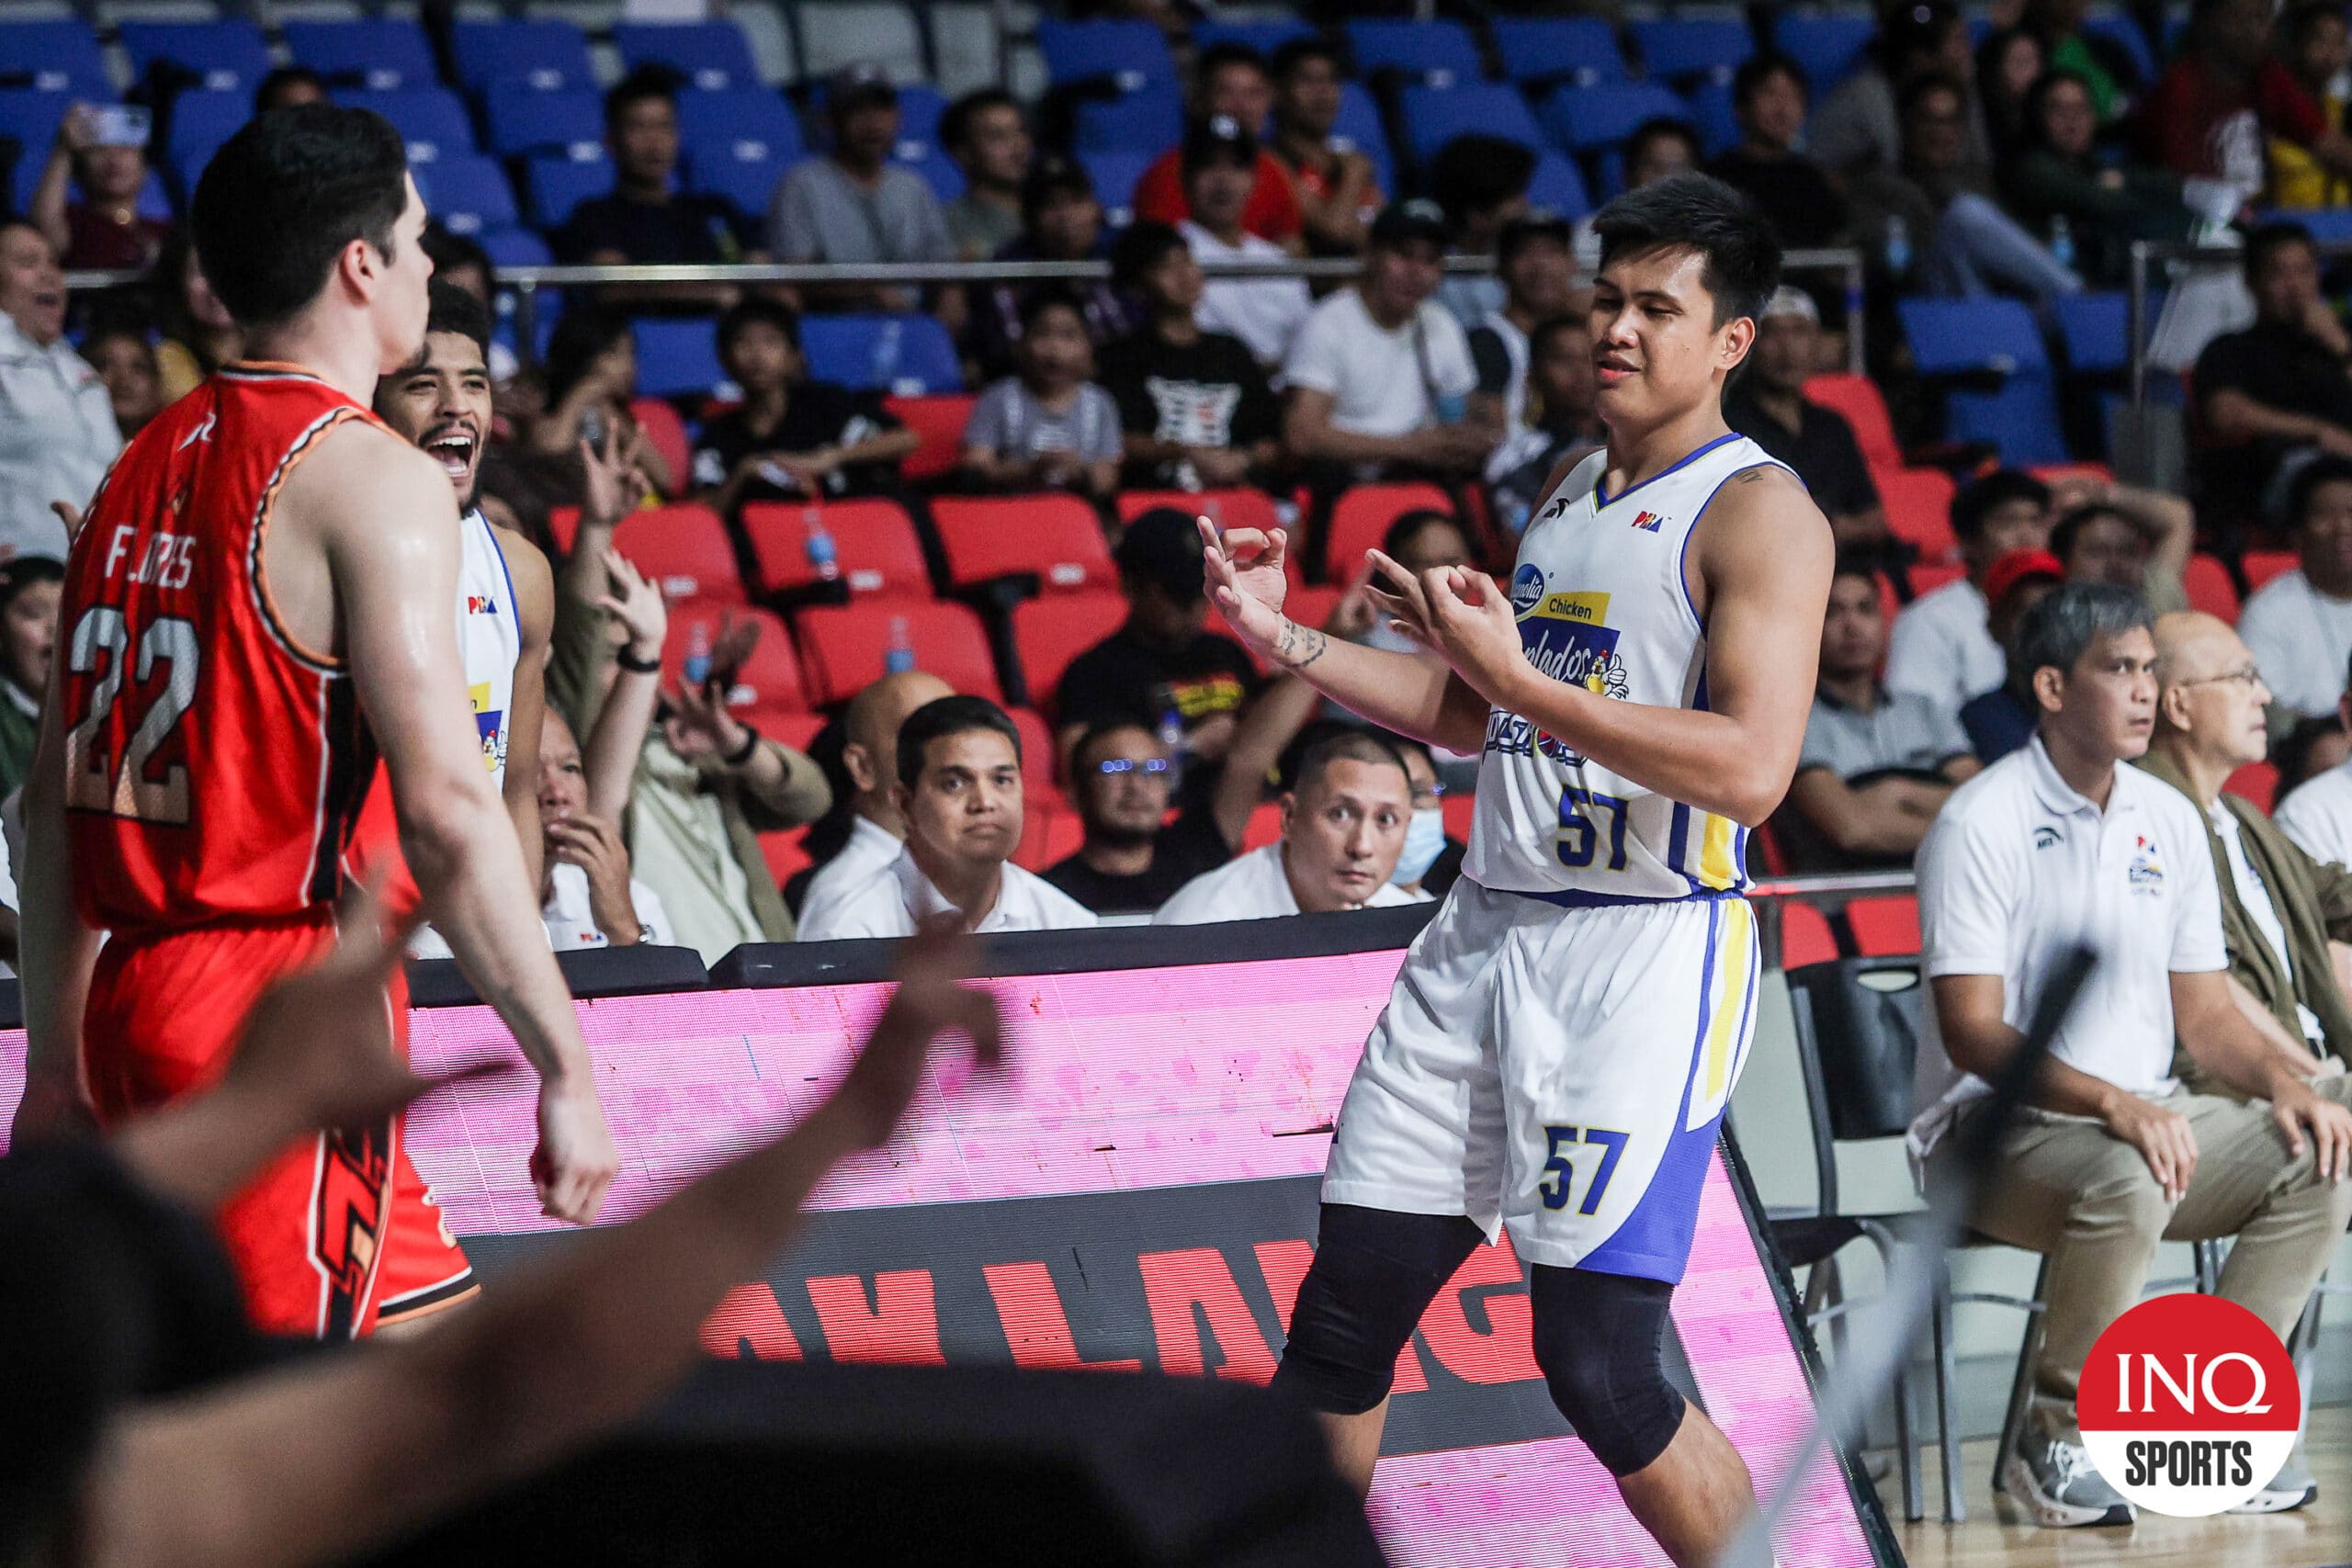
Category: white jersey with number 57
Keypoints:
(1600, 600)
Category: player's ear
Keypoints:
(1738, 337)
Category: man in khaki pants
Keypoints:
(2059, 845)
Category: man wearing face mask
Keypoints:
(1430, 861)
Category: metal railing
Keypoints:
(2145, 254)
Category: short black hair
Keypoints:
(23, 221)
(1102, 729)
(2067, 529)
(1664, 125)
(1864, 564)
(955, 125)
(2266, 239)
(2292, 755)
(452, 252)
(2304, 19)
(285, 195)
(1224, 52)
(1979, 499)
(1761, 67)
(1054, 175)
(1409, 525)
(2327, 469)
(1477, 173)
(282, 77)
(583, 333)
(453, 310)
(1048, 297)
(756, 310)
(1698, 212)
(945, 717)
(1287, 57)
(1919, 85)
(643, 84)
(1330, 740)
(2065, 622)
(1550, 327)
(1905, 30)
(2037, 102)
(1143, 246)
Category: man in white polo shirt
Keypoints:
(870, 758)
(2060, 845)
(1344, 820)
(959, 790)
(2318, 815)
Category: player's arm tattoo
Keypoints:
(1299, 646)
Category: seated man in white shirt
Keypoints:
(2057, 846)
(2300, 623)
(870, 757)
(1941, 648)
(1220, 166)
(959, 792)
(2318, 814)
(1344, 820)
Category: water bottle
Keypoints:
(697, 669)
(2062, 241)
(899, 657)
(1898, 247)
(1171, 741)
(823, 559)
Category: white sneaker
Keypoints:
(2290, 1489)
(2059, 1485)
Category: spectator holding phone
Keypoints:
(100, 152)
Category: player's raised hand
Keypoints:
(1244, 573)
(931, 1000)
(1398, 594)
(1471, 624)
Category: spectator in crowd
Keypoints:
(1218, 156)
(1430, 862)
(29, 588)
(2057, 846)
(988, 136)
(1657, 149)
(2314, 790)
(2134, 538)
(1345, 816)
(853, 205)
(2300, 623)
(289, 86)
(2279, 392)
(2008, 62)
(1480, 183)
(959, 793)
(459, 261)
(1061, 221)
(1941, 648)
(592, 379)
(1768, 94)
(195, 333)
(1049, 426)
(57, 429)
(1337, 186)
(870, 759)
(2002, 720)
(790, 438)
(1195, 407)
(1163, 662)
(1380, 377)
(125, 361)
(1229, 83)
(2209, 116)
(100, 153)
(1535, 260)
(2316, 49)
(1858, 127)
(1423, 539)
(1563, 409)
(1876, 766)
(2057, 175)
(2103, 62)
(647, 219)
(1768, 405)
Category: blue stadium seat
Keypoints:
(1359, 125)
(201, 121)
(54, 55)
(1952, 337)
(710, 122)
(712, 55)
(2095, 329)
(905, 355)
(1437, 52)
(745, 172)
(1549, 48)
(1149, 120)
(380, 53)
(1131, 54)
(32, 119)
(677, 357)
(1263, 36)
(2125, 32)
(468, 193)
(1557, 186)
(226, 56)
(432, 120)
(515, 247)
(544, 52)
(1825, 44)
(1115, 173)
(1712, 112)
(1584, 119)
(558, 182)
(2324, 223)
(520, 119)
(1434, 116)
(937, 169)
(921, 109)
(1680, 48)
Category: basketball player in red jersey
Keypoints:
(257, 610)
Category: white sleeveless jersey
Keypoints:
(489, 638)
(1601, 601)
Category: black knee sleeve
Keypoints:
(1599, 1338)
(1374, 1273)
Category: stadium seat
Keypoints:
(1055, 537)
(1360, 126)
(515, 247)
(1885, 926)
(1859, 398)
(468, 193)
(54, 54)
(522, 118)
(555, 182)
(665, 432)
(1435, 116)
(1710, 111)
(876, 547)
(1680, 48)
(30, 120)
(905, 355)
(1825, 44)
(1440, 52)
(1037, 761)
(787, 853)
(2261, 566)
(938, 171)
(770, 682)
(1050, 831)
(1585, 119)
(921, 109)
(1264, 37)
(1265, 827)
(744, 172)
(226, 56)
(1918, 509)
(1806, 936)
(1543, 50)
(2207, 580)
(739, 115)
(845, 647)
(381, 52)
(432, 120)
(685, 548)
(1557, 186)
(1362, 515)
(2095, 330)
(1128, 54)
(2115, 25)
(1048, 633)
(829, 35)
(2258, 782)
(677, 356)
(546, 53)
(1961, 336)
(1116, 172)
(938, 421)
(1150, 119)
(1237, 508)
(711, 56)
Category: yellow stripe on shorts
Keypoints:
(1733, 951)
(1715, 867)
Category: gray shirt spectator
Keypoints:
(823, 213)
(1010, 421)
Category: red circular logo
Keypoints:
(2189, 1404)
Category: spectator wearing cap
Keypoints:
(1858, 125)
(1535, 259)
(1061, 221)
(647, 221)
(1048, 426)
(1768, 405)
(101, 157)
(1195, 406)
(2300, 623)
(1346, 812)
(854, 206)
(1768, 95)
(1479, 183)
(959, 793)
(1163, 663)
(790, 438)
(1231, 83)
(1381, 376)
(2135, 538)
(2001, 721)
(1337, 186)
(1876, 766)
(57, 429)
(1563, 418)
(1941, 648)
(1219, 156)
(988, 136)
(30, 588)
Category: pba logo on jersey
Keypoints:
(1648, 522)
(2146, 873)
(1526, 591)
(2189, 1404)
(480, 604)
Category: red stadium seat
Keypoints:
(666, 434)
(1458, 810)
(938, 421)
(1049, 833)
(1765, 845)
(1926, 577)
(1857, 398)
(1265, 827)
(2210, 588)
(2258, 782)
(563, 522)
(1362, 515)
(770, 680)
(1048, 633)
(1056, 539)
(2261, 566)
(1806, 936)
(846, 646)
(2056, 474)
(682, 547)
(1037, 759)
(1885, 926)
(874, 545)
(797, 730)
(787, 853)
(1225, 508)
(1918, 510)
(1888, 603)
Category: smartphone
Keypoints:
(120, 125)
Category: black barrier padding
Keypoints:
(640, 970)
(12, 1004)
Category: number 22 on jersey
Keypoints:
(160, 663)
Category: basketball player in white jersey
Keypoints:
(1560, 1045)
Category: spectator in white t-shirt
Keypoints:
(1344, 821)
(2316, 771)
(1941, 648)
(959, 791)
(2300, 623)
(57, 428)
(1381, 376)
(870, 758)
(1220, 165)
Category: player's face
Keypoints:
(563, 780)
(401, 307)
(442, 402)
(1655, 345)
(967, 804)
(1341, 834)
(31, 630)
(1127, 783)
(2106, 704)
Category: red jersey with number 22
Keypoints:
(214, 765)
